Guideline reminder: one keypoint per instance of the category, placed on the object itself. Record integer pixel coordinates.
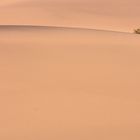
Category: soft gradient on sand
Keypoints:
(98, 14)
(63, 83)
(66, 83)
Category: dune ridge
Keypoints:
(8, 27)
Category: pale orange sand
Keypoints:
(119, 15)
(69, 84)
(64, 83)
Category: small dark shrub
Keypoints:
(137, 31)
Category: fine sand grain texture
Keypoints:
(69, 84)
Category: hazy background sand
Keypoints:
(64, 83)
(99, 14)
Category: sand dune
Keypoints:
(68, 83)
(69, 70)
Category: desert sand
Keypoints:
(68, 79)
(97, 14)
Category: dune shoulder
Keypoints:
(68, 82)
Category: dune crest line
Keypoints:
(56, 27)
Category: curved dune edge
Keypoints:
(55, 27)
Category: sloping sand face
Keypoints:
(98, 14)
(67, 83)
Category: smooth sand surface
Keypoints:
(69, 84)
(119, 15)
(63, 79)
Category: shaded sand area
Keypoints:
(69, 84)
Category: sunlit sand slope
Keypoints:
(68, 84)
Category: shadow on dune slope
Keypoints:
(39, 27)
